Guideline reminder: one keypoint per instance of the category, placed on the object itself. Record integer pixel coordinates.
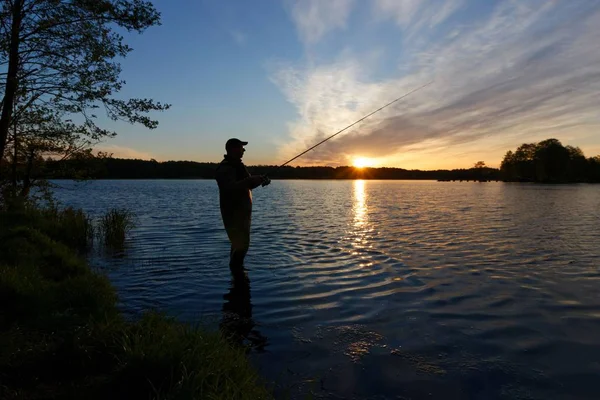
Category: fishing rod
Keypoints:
(351, 125)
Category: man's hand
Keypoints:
(256, 180)
(266, 181)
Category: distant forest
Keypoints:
(117, 168)
(547, 161)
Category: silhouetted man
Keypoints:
(235, 198)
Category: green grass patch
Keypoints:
(114, 227)
(62, 336)
(68, 226)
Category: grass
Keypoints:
(115, 225)
(62, 336)
(71, 227)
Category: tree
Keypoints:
(577, 165)
(593, 169)
(507, 166)
(525, 152)
(523, 160)
(479, 164)
(551, 161)
(59, 57)
(40, 132)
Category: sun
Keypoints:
(362, 162)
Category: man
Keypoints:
(235, 198)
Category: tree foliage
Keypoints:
(550, 162)
(60, 69)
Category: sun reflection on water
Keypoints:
(361, 218)
(360, 204)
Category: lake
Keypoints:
(378, 289)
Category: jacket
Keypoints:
(235, 188)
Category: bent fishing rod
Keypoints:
(351, 125)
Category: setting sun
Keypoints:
(362, 162)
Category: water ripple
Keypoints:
(381, 289)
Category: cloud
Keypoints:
(525, 71)
(239, 37)
(315, 18)
(124, 152)
(416, 15)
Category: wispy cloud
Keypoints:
(124, 152)
(416, 15)
(239, 37)
(527, 71)
(315, 18)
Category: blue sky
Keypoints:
(284, 74)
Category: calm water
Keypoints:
(371, 289)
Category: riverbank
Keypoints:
(62, 336)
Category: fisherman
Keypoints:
(235, 198)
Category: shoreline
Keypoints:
(63, 333)
(336, 179)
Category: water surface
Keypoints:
(379, 289)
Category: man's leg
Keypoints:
(236, 258)
(239, 235)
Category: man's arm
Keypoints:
(227, 180)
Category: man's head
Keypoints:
(235, 148)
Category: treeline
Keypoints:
(117, 168)
(549, 162)
(545, 162)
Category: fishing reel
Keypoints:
(266, 181)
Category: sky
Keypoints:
(285, 74)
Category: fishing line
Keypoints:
(354, 123)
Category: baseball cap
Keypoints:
(233, 142)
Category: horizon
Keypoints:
(293, 166)
(360, 163)
(284, 75)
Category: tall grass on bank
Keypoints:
(62, 336)
(74, 228)
(114, 226)
(69, 226)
